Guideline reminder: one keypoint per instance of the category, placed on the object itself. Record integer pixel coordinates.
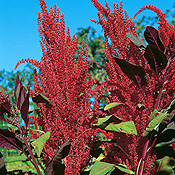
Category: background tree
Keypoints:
(96, 47)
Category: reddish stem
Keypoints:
(28, 147)
(141, 166)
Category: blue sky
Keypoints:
(19, 38)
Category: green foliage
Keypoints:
(124, 127)
(165, 166)
(101, 168)
(111, 105)
(113, 123)
(103, 122)
(40, 143)
(140, 106)
(20, 162)
(155, 120)
(140, 43)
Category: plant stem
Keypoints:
(18, 148)
(156, 106)
(145, 154)
(29, 148)
(141, 166)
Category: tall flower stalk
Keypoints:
(64, 80)
(139, 77)
(138, 88)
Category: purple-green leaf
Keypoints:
(140, 43)
(56, 164)
(166, 130)
(8, 140)
(165, 166)
(156, 58)
(24, 109)
(22, 99)
(2, 117)
(39, 98)
(152, 37)
(19, 93)
(134, 72)
(5, 107)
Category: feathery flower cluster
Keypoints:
(165, 29)
(116, 26)
(63, 79)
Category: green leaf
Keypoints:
(165, 166)
(17, 158)
(124, 169)
(124, 127)
(113, 123)
(170, 107)
(111, 105)
(81, 93)
(101, 168)
(164, 143)
(100, 157)
(40, 142)
(152, 116)
(141, 44)
(100, 136)
(166, 130)
(103, 122)
(154, 122)
(140, 107)
(56, 165)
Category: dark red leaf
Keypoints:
(156, 58)
(55, 164)
(19, 93)
(134, 72)
(8, 140)
(152, 37)
(5, 107)
(18, 86)
(24, 109)
(39, 98)
(2, 117)
(165, 131)
(22, 99)
(170, 118)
